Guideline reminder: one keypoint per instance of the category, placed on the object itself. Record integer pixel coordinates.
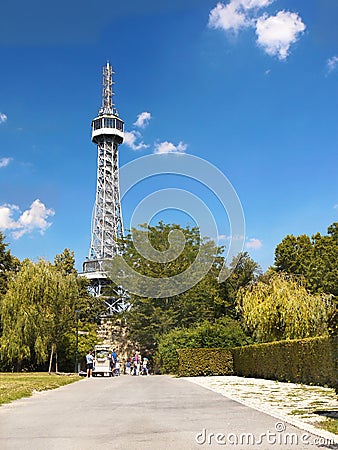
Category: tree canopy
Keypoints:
(9, 264)
(314, 258)
(282, 308)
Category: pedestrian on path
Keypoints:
(90, 363)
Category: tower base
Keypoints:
(115, 298)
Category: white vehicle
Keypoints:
(102, 361)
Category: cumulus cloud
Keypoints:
(275, 34)
(3, 117)
(34, 218)
(165, 147)
(143, 119)
(254, 244)
(227, 17)
(131, 138)
(235, 15)
(4, 162)
(332, 64)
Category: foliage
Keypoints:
(195, 362)
(224, 333)
(8, 265)
(244, 270)
(88, 307)
(282, 308)
(315, 258)
(17, 385)
(36, 311)
(308, 361)
(65, 262)
(85, 342)
(149, 318)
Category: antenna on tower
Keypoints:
(107, 91)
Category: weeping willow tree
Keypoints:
(282, 308)
(36, 312)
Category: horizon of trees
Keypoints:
(41, 302)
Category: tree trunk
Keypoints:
(50, 360)
(56, 361)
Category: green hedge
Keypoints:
(308, 361)
(193, 362)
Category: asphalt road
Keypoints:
(154, 412)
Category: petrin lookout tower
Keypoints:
(107, 225)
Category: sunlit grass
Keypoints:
(330, 425)
(17, 385)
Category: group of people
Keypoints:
(137, 365)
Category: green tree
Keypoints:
(244, 270)
(282, 308)
(150, 317)
(89, 307)
(65, 262)
(314, 258)
(36, 312)
(8, 265)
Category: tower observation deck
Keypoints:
(107, 225)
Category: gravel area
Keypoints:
(297, 404)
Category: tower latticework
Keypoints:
(107, 225)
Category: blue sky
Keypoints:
(249, 85)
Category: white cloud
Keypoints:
(332, 64)
(130, 138)
(6, 220)
(254, 244)
(34, 218)
(163, 148)
(250, 4)
(3, 117)
(4, 162)
(227, 17)
(276, 33)
(235, 14)
(143, 119)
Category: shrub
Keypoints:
(309, 361)
(193, 362)
(224, 333)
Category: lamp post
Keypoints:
(77, 311)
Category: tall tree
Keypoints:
(36, 312)
(8, 265)
(282, 308)
(88, 307)
(150, 317)
(65, 262)
(315, 258)
(244, 270)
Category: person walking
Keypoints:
(90, 363)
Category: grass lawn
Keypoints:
(17, 385)
(330, 425)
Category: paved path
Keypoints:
(155, 412)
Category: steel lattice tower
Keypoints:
(107, 225)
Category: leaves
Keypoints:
(282, 308)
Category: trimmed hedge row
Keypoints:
(195, 362)
(308, 361)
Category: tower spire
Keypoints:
(107, 91)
